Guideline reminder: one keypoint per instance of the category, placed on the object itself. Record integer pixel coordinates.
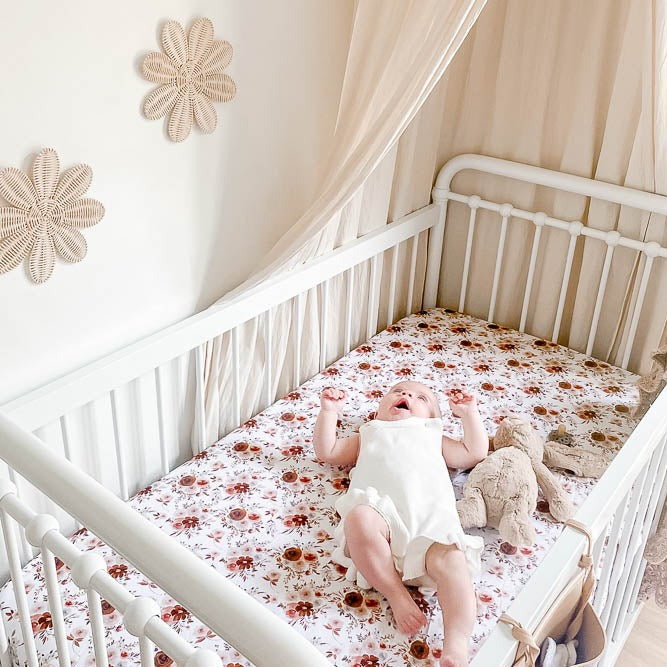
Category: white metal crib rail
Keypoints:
(226, 609)
(234, 616)
(645, 201)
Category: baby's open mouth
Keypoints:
(402, 405)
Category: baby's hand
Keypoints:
(462, 403)
(332, 399)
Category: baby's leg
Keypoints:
(446, 565)
(367, 537)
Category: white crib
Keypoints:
(140, 402)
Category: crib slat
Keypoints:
(268, 357)
(236, 377)
(466, 262)
(298, 332)
(602, 589)
(413, 272)
(539, 223)
(642, 522)
(575, 230)
(146, 647)
(200, 397)
(162, 428)
(3, 634)
(56, 607)
(653, 527)
(120, 456)
(348, 310)
(97, 627)
(64, 430)
(637, 310)
(623, 543)
(28, 553)
(598, 301)
(324, 316)
(392, 284)
(19, 588)
(505, 211)
(372, 319)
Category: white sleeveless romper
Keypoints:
(400, 472)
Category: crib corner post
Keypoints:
(436, 238)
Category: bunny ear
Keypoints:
(577, 460)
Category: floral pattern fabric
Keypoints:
(258, 506)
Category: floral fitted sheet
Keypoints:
(258, 507)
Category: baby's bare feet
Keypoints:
(409, 618)
(455, 653)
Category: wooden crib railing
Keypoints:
(146, 396)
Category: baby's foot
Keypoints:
(455, 654)
(409, 618)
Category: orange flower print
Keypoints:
(107, 608)
(292, 553)
(587, 414)
(353, 599)
(244, 563)
(419, 650)
(186, 524)
(341, 483)
(296, 521)
(118, 571)
(508, 549)
(162, 660)
(41, 622)
(304, 608)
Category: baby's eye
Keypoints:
(422, 398)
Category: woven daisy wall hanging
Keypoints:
(45, 214)
(191, 78)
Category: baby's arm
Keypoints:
(328, 448)
(474, 447)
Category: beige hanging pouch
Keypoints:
(570, 617)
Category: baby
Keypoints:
(398, 519)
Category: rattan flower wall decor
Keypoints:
(191, 78)
(44, 215)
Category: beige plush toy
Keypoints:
(501, 491)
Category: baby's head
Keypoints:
(408, 399)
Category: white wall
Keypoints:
(184, 222)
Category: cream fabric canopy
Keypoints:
(578, 87)
(398, 52)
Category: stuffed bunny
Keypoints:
(501, 491)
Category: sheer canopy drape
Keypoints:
(398, 52)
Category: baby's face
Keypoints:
(407, 399)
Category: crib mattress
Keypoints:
(259, 508)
